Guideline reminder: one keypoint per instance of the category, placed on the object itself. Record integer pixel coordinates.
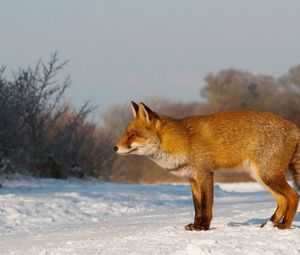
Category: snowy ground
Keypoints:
(86, 217)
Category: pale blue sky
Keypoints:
(129, 49)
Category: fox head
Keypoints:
(142, 135)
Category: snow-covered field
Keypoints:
(86, 217)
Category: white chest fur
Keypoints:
(168, 161)
(176, 164)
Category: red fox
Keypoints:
(264, 144)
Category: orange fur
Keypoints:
(263, 143)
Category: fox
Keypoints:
(263, 144)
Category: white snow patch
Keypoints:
(87, 217)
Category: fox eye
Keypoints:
(132, 134)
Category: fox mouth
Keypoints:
(127, 152)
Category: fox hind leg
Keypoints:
(287, 200)
(281, 205)
(281, 208)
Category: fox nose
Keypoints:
(116, 148)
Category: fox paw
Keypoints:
(195, 227)
(282, 225)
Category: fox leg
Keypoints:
(286, 207)
(202, 189)
(281, 207)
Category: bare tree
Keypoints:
(31, 106)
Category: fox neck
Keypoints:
(172, 153)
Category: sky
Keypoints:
(131, 49)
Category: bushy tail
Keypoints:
(295, 167)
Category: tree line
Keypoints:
(43, 135)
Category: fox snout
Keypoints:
(125, 149)
(116, 148)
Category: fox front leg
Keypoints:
(202, 189)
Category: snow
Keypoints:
(49, 216)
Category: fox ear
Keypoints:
(146, 113)
(134, 108)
